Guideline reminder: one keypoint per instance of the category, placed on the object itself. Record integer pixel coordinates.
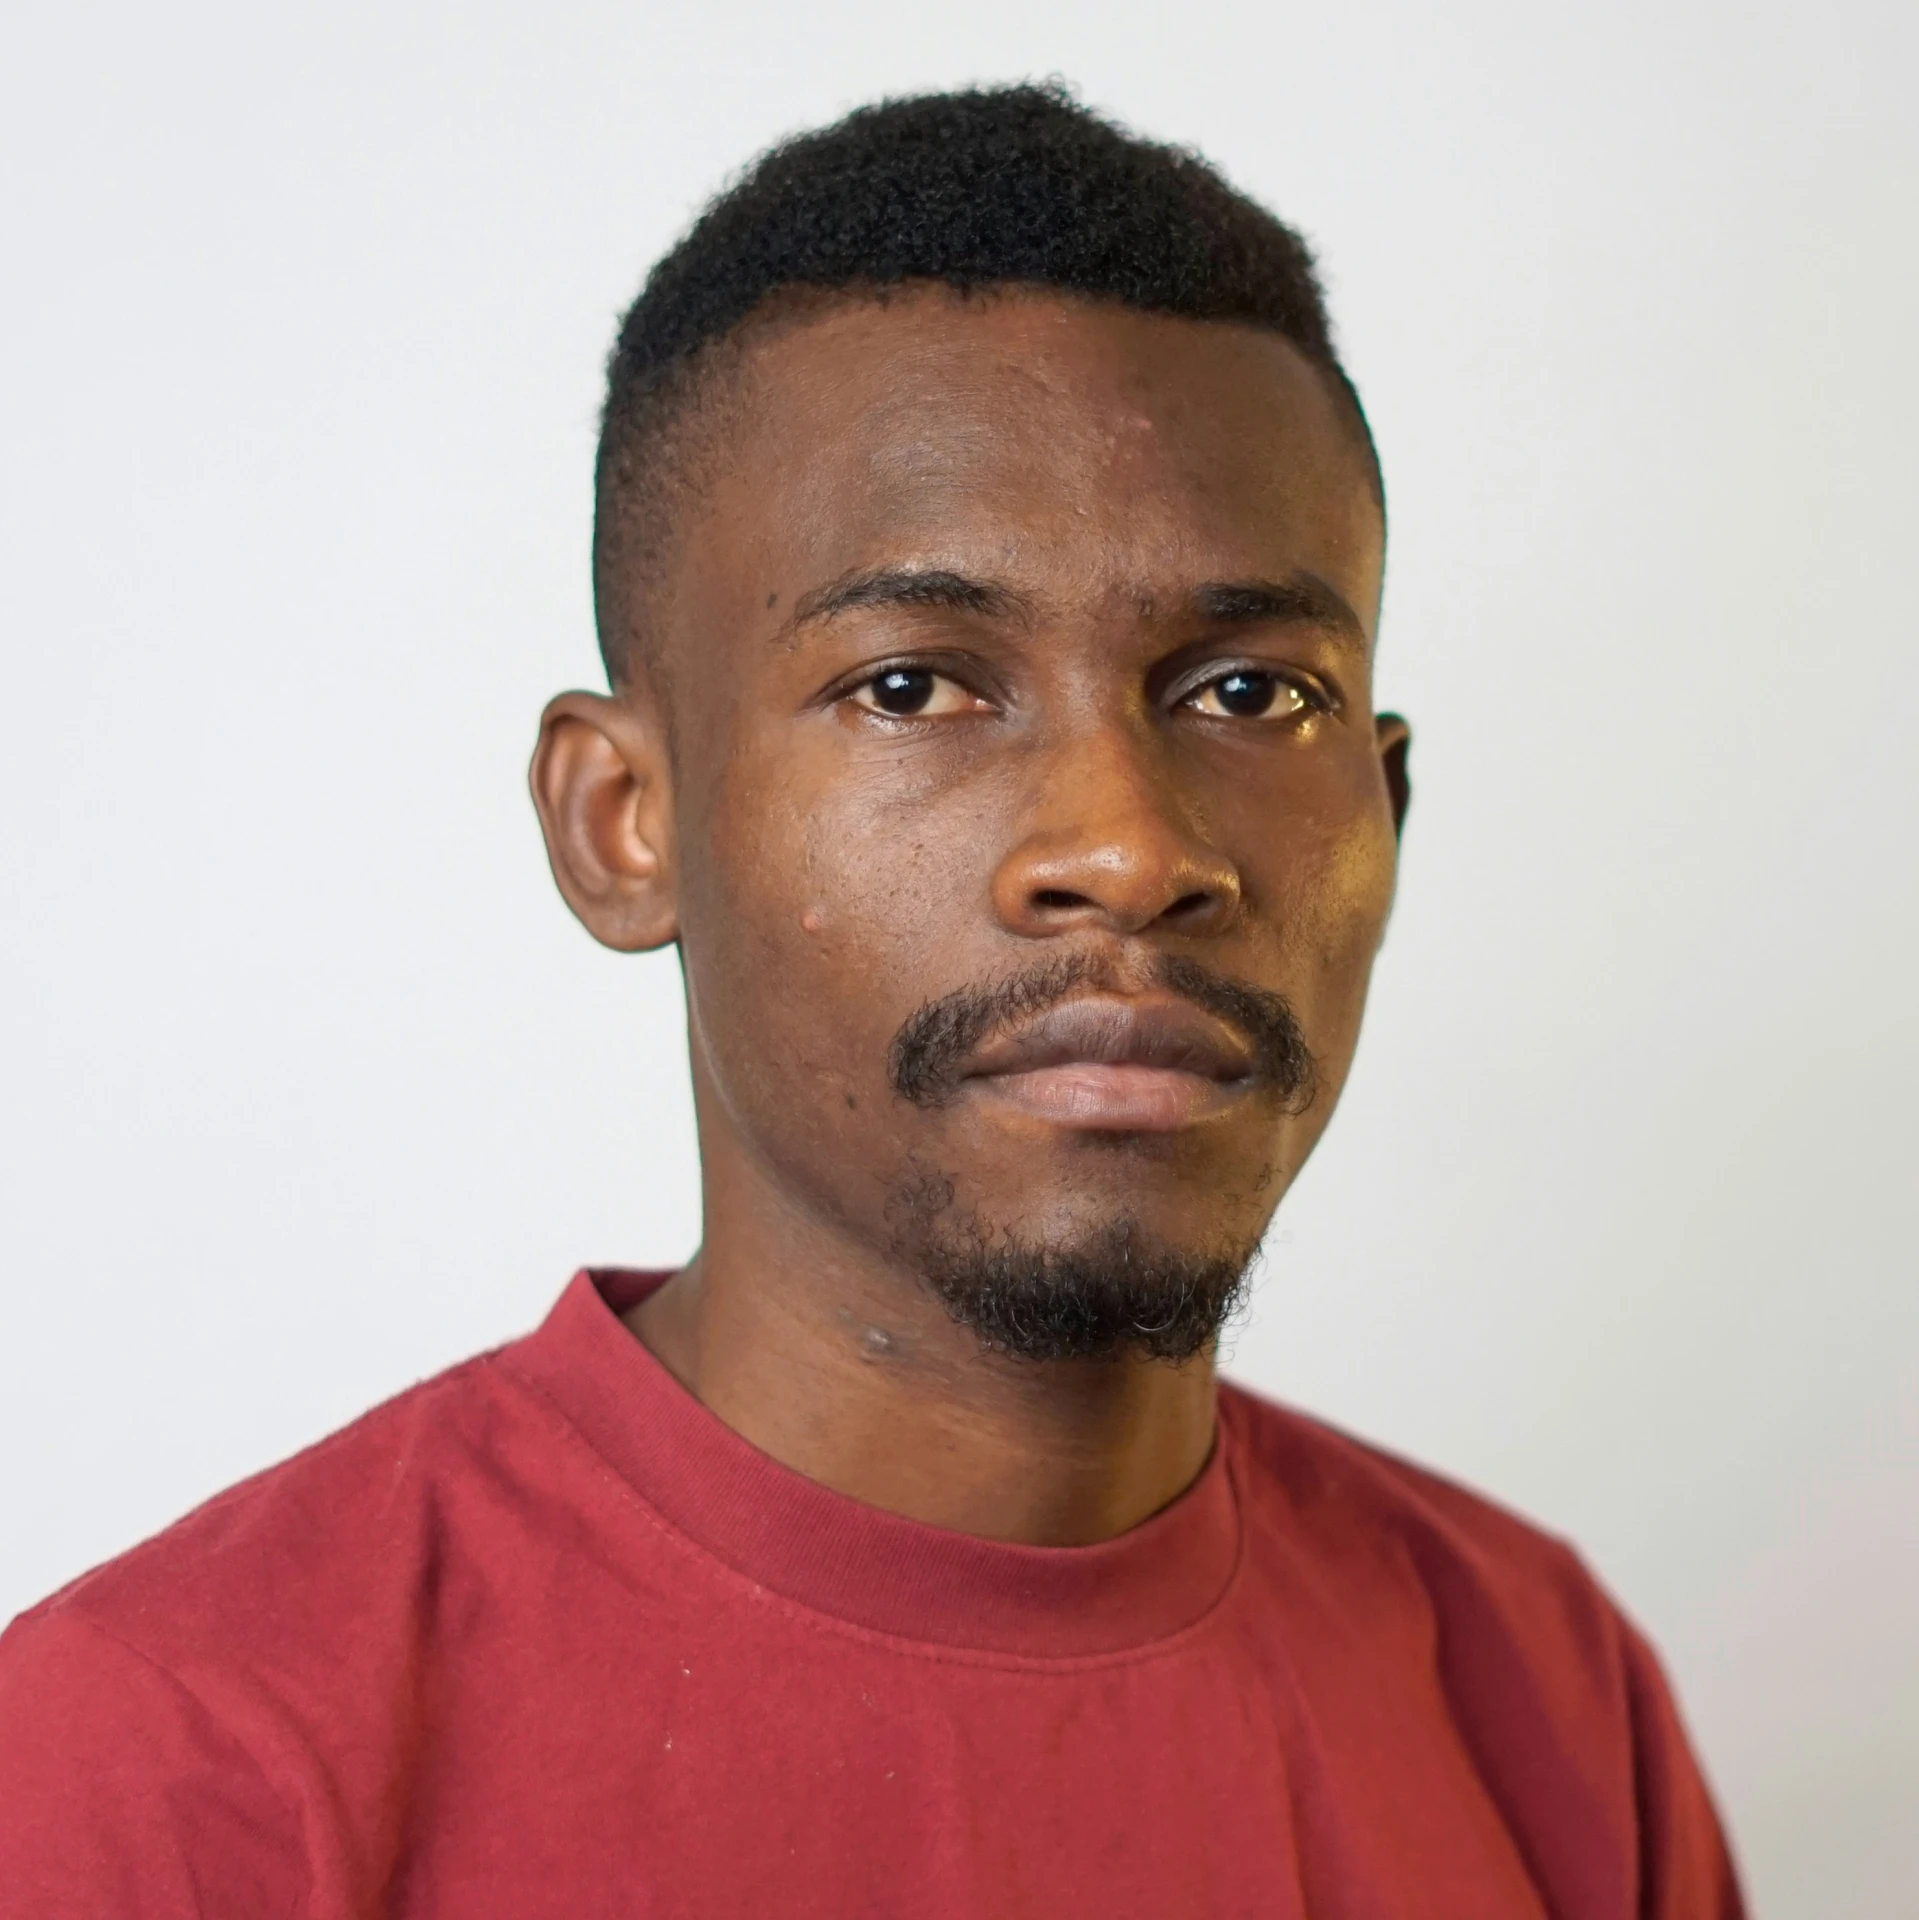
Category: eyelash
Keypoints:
(932, 669)
(1315, 698)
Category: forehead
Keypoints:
(1077, 451)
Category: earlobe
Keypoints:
(1395, 739)
(600, 784)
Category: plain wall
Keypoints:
(312, 1087)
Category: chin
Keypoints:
(1110, 1291)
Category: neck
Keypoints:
(833, 1360)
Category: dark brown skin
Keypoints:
(1073, 786)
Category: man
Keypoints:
(988, 561)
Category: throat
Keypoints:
(867, 1385)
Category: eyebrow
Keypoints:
(907, 587)
(1302, 599)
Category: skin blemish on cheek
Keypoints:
(772, 601)
(810, 921)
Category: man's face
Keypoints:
(1032, 831)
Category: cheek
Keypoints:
(1353, 908)
(1357, 894)
(814, 922)
(1327, 896)
(881, 864)
(746, 923)
(816, 909)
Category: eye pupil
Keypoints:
(902, 690)
(1246, 695)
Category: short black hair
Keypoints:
(1002, 186)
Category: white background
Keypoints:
(311, 1087)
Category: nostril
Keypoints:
(1059, 899)
(1187, 905)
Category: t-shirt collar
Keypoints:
(857, 1563)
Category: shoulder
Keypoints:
(122, 1792)
(1367, 1518)
(1311, 1465)
(1555, 1693)
(159, 1715)
(306, 1565)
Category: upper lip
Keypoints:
(1104, 1030)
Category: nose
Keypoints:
(1109, 845)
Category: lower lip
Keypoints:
(1113, 1099)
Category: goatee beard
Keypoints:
(1102, 1296)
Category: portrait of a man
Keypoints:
(988, 558)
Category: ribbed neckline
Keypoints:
(860, 1564)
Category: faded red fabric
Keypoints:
(543, 1638)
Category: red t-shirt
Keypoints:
(542, 1637)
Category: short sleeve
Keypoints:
(120, 1794)
(1686, 1870)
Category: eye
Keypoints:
(1247, 694)
(913, 693)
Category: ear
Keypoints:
(1395, 739)
(599, 780)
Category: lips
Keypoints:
(1099, 1062)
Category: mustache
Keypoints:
(928, 1057)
